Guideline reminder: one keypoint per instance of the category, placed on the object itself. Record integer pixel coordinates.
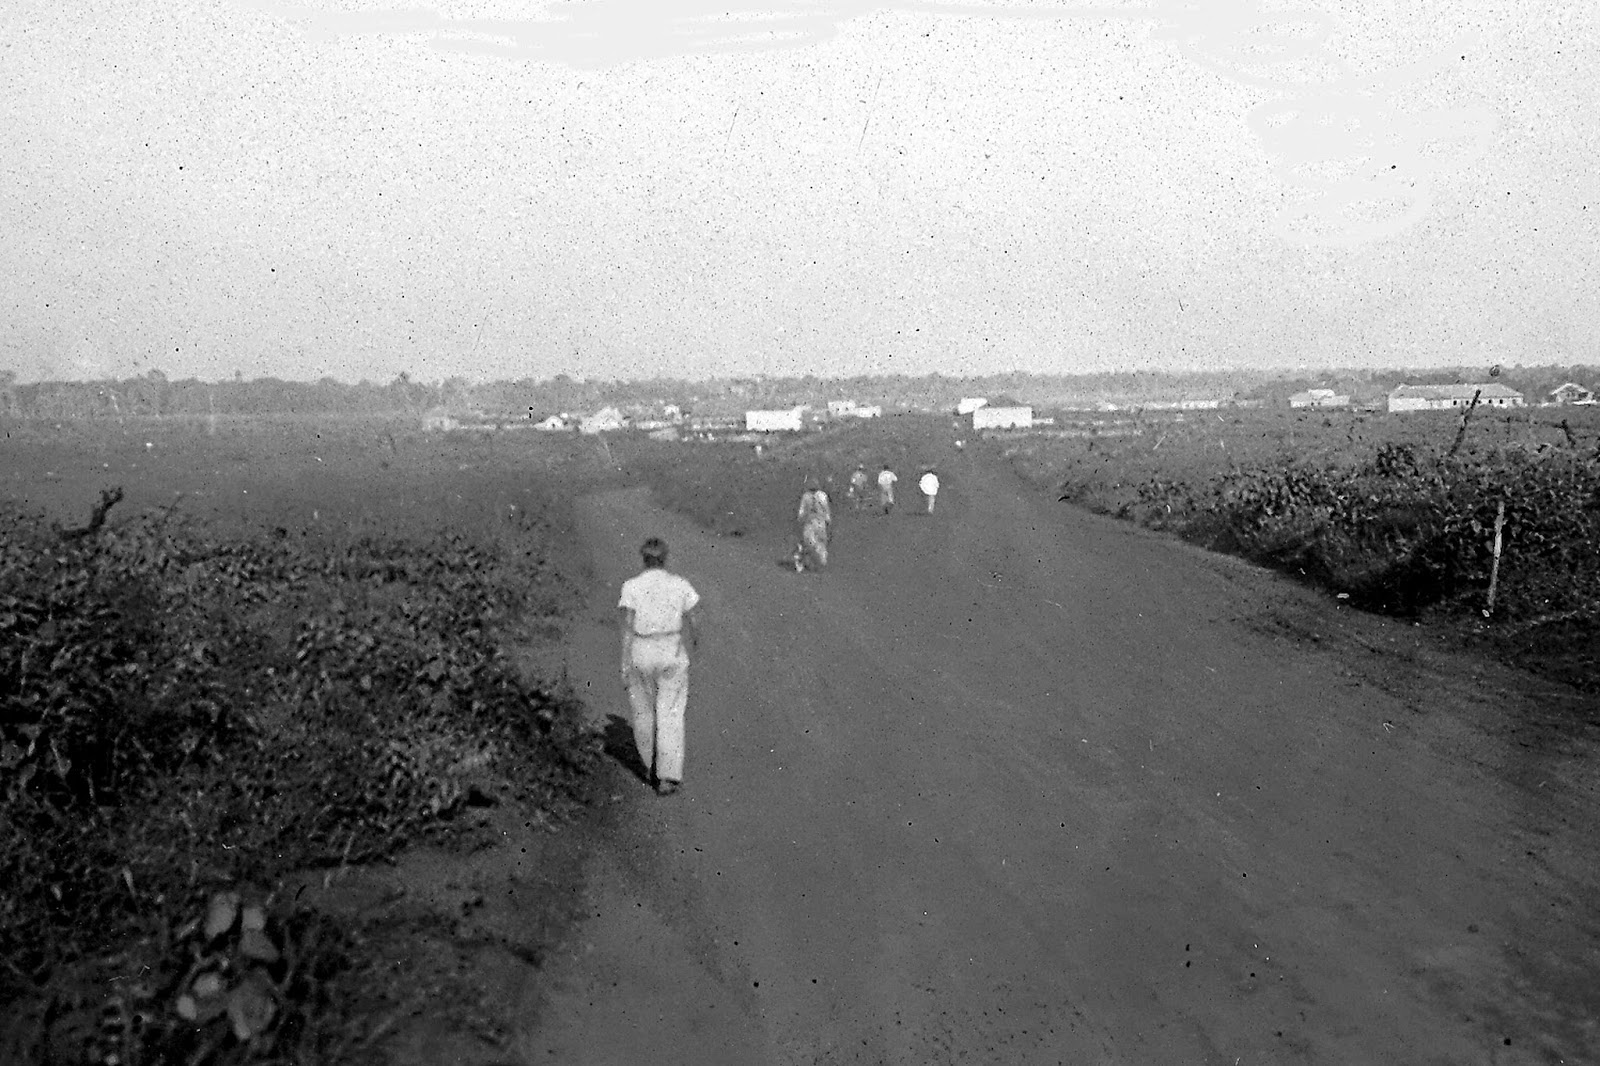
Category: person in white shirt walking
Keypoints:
(930, 487)
(886, 480)
(659, 628)
(858, 487)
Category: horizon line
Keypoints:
(585, 381)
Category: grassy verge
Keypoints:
(187, 716)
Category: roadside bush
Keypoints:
(179, 714)
(1399, 528)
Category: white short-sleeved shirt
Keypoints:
(886, 479)
(659, 600)
(929, 484)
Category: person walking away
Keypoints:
(858, 487)
(659, 628)
(886, 480)
(930, 487)
(815, 515)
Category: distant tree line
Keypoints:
(154, 395)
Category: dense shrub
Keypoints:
(178, 713)
(1401, 527)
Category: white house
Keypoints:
(1571, 392)
(968, 404)
(875, 411)
(1448, 397)
(602, 421)
(1318, 398)
(773, 421)
(987, 417)
(841, 408)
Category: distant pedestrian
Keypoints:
(656, 615)
(886, 480)
(858, 487)
(930, 487)
(815, 516)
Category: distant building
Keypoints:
(841, 408)
(551, 424)
(969, 404)
(875, 411)
(1199, 405)
(1448, 397)
(1572, 392)
(604, 420)
(712, 423)
(987, 417)
(438, 420)
(1318, 398)
(774, 421)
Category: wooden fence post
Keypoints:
(1465, 415)
(1494, 569)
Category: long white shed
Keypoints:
(1002, 418)
(772, 421)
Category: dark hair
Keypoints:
(654, 551)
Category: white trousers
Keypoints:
(658, 692)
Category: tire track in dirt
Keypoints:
(1015, 784)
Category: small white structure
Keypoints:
(969, 404)
(1318, 398)
(774, 421)
(438, 420)
(1448, 397)
(841, 408)
(1571, 392)
(987, 417)
(875, 411)
(552, 424)
(604, 420)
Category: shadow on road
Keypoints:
(618, 740)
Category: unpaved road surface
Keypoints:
(1016, 784)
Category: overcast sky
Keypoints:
(664, 187)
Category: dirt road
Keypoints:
(1014, 784)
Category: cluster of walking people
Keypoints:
(815, 513)
(659, 627)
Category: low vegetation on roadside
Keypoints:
(186, 718)
(1395, 525)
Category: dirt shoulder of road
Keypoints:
(482, 948)
(1421, 664)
